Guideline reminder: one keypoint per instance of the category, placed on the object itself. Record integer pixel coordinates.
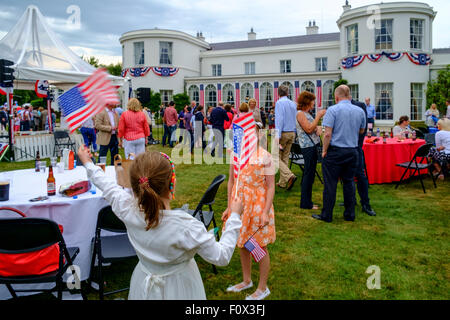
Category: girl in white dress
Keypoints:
(165, 240)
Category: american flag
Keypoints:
(255, 249)
(319, 94)
(244, 140)
(297, 89)
(275, 91)
(238, 96)
(87, 99)
(219, 92)
(257, 93)
(202, 96)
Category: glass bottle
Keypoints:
(51, 183)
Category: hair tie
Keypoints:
(143, 181)
(172, 179)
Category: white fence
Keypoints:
(27, 145)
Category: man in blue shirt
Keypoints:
(285, 118)
(343, 123)
(218, 117)
(371, 114)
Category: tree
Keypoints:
(338, 83)
(438, 90)
(93, 61)
(181, 100)
(113, 69)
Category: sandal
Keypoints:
(236, 289)
(260, 296)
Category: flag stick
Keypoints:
(239, 171)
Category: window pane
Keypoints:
(383, 35)
(265, 96)
(416, 33)
(352, 39)
(194, 93)
(138, 53)
(328, 93)
(384, 101)
(228, 93)
(246, 92)
(210, 95)
(291, 89)
(165, 52)
(354, 91)
(416, 101)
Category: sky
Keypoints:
(99, 25)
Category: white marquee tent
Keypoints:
(39, 54)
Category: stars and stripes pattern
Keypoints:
(238, 96)
(420, 59)
(275, 91)
(257, 93)
(244, 141)
(202, 95)
(351, 62)
(374, 57)
(393, 56)
(219, 92)
(297, 89)
(165, 71)
(319, 94)
(255, 249)
(87, 99)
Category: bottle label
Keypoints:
(51, 187)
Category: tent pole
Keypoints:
(9, 99)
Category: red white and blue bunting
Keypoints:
(165, 71)
(142, 71)
(421, 59)
(351, 62)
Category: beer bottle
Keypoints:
(37, 162)
(51, 184)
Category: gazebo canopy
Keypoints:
(39, 54)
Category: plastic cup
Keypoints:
(53, 161)
(42, 166)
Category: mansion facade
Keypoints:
(384, 51)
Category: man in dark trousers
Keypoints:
(343, 123)
(218, 117)
(361, 178)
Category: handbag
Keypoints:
(122, 168)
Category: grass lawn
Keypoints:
(408, 240)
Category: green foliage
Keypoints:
(113, 69)
(37, 103)
(155, 101)
(24, 96)
(438, 90)
(181, 100)
(338, 83)
(93, 61)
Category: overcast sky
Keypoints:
(103, 22)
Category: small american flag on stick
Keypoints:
(87, 99)
(255, 249)
(244, 141)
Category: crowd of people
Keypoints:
(26, 118)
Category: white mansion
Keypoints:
(383, 50)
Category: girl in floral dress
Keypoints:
(256, 189)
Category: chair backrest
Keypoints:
(296, 149)
(8, 212)
(210, 193)
(107, 220)
(61, 136)
(430, 138)
(28, 234)
(423, 150)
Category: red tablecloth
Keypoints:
(381, 159)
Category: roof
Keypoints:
(441, 50)
(313, 38)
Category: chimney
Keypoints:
(312, 28)
(200, 36)
(346, 6)
(251, 35)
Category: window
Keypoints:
(194, 93)
(216, 70)
(383, 101)
(354, 91)
(165, 52)
(291, 88)
(416, 33)
(383, 35)
(416, 101)
(308, 86)
(327, 99)
(246, 92)
(249, 67)
(211, 95)
(285, 66)
(352, 39)
(266, 96)
(139, 53)
(228, 93)
(166, 96)
(321, 64)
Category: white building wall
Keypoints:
(267, 60)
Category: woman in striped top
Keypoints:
(133, 129)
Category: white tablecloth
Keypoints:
(77, 216)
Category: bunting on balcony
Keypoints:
(420, 59)
(165, 71)
(351, 62)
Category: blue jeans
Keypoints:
(89, 137)
(113, 147)
(309, 174)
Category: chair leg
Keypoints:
(101, 288)
(214, 269)
(59, 286)
(421, 180)
(11, 291)
(398, 183)
(320, 178)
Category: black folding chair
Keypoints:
(23, 235)
(208, 199)
(108, 249)
(430, 138)
(62, 141)
(296, 157)
(422, 152)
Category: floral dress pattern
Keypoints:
(253, 190)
